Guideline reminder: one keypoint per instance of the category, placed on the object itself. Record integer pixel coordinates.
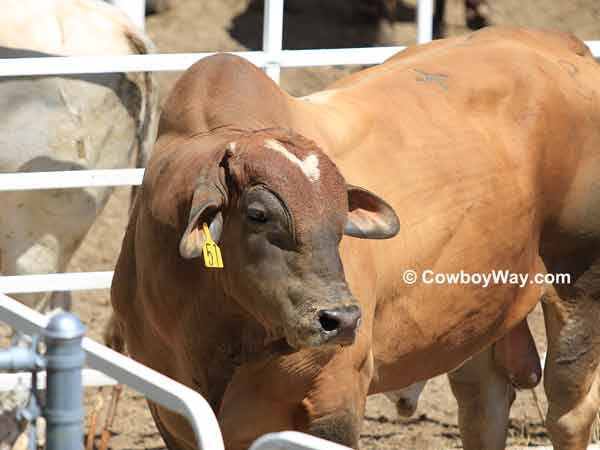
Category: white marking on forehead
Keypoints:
(309, 166)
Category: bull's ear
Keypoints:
(369, 217)
(193, 238)
(208, 200)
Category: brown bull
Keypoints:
(487, 146)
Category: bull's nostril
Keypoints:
(340, 325)
(328, 322)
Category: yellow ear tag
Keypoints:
(211, 251)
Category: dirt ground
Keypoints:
(229, 25)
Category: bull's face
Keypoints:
(279, 211)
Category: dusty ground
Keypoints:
(229, 25)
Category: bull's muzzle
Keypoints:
(340, 325)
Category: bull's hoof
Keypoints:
(476, 21)
(405, 407)
(10, 428)
(158, 6)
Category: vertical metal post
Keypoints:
(424, 21)
(135, 9)
(273, 34)
(64, 392)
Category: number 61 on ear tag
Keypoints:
(211, 251)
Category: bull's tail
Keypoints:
(147, 124)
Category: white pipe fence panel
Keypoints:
(155, 386)
(589, 447)
(293, 440)
(424, 21)
(55, 282)
(70, 179)
(594, 47)
(273, 35)
(68, 65)
(89, 378)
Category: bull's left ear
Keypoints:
(193, 238)
(369, 216)
(208, 201)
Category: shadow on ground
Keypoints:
(318, 24)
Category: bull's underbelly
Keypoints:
(429, 331)
(449, 241)
(461, 211)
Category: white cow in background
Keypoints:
(55, 123)
(66, 123)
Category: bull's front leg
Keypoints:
(309, 391)
(335, 406)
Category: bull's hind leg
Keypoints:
(572, 315)
(484, 396)
(484, 387)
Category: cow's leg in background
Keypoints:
(407, 399)
(484, 396)
(474, 16)
(438, 19)
(475, 19)
(484, 387)
(60, 300)
(572, 315)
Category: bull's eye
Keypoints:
(256, 213)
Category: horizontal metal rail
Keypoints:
(89, 378)
(294, 440)
(154, 385)
(55, 282)
(70, 179)
(63, 65)
(535, 447)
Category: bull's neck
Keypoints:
(219, 336)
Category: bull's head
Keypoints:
(278, 207)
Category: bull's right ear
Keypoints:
(369, 216)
